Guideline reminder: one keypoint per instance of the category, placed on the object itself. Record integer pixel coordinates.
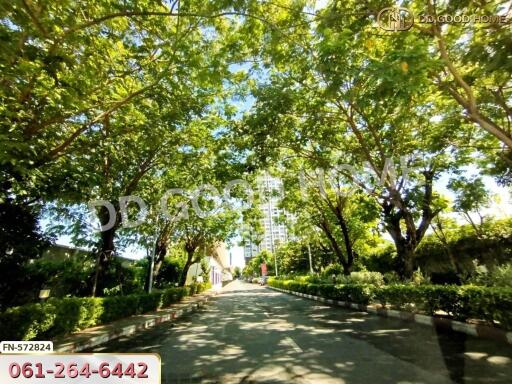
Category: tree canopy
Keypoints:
(173, 104)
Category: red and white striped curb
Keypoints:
(80, 345)
(477, 330)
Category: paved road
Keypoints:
(251, 334)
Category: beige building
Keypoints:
(219, 264)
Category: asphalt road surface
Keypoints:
(251, 334)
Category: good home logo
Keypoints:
(402, 19)
(395, 19)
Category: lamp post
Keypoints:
(152, 267)
(152, 261)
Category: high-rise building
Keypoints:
(275, 231)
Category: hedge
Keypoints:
(57, 317)
(493, 305)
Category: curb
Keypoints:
(476, 330)
(168, 314)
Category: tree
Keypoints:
(471, 197)
(466, 63)
(337, 102)
(21, 240)
(69, 67)
(478, 82)
(196, 235)
(98, 97)
(253, 268)
(343, 217)
(171, 269)
(441, 227)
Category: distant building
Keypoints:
(275, 232)
(59, 252)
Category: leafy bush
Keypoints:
(491, 250)
(460, 302)
(169, 274)
(363, 277)
(26, 322)
(356, 293)
(391, 278)
(418, 278)
(172, 295)
(397, 295)
(62, 316)
(74, 313)
(332, 270)
(500, 276)
(66, 277)
(359, 293)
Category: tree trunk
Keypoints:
(347, 265)
(405, 255)
(404, 247)
(337, 209)
(161, 252)
(105, 252)
(395, 211)
(347, 268)
(183, 277)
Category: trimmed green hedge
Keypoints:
(460, 302)
(61, 316)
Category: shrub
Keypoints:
(171, 295)
(324, 290)
(312, 278)
(365, 277)
(418, 278)
(391, 278)
(73, 314)
(26, 322)
(359, 293)
(442, 298)
(61, 316)
(333, 269)
(393, 295)
(460, 302)
(490, 304)
(500, 276)
(170, 273)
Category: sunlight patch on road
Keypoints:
(386, 331)
(231, 350)
(290, 343)
(499, 360)
(315, 331)
(355, 320)
(475, 355)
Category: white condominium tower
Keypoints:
(275, 232)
